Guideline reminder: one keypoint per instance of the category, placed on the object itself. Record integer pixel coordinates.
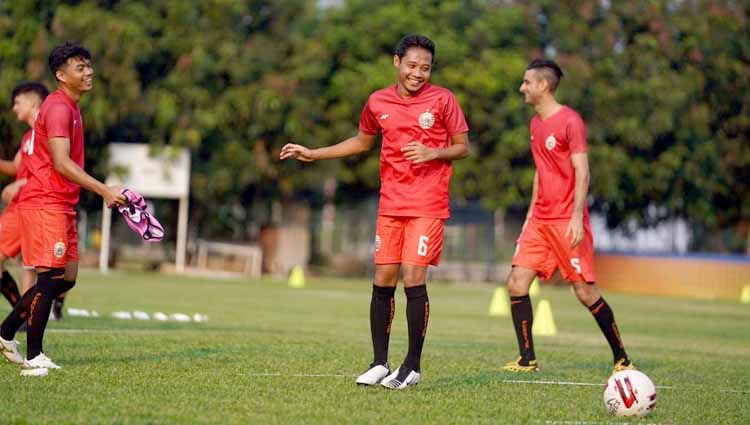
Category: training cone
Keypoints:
(745, 296)
(499, 306)
(297, 277)
(534, 288)
(544, 322)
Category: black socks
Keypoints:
(382, 307)
(9, 288)
(417, 317)
(520, 309)
(605, 318)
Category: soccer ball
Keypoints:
(629, 393)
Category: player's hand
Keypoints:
(113, 197)
(11, 191)
(298, 152)
(575, 230)
(418, 153)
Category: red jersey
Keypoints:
(45, 188)
(553, 141)
(431, 117)
(26, 140)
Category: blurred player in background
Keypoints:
(423, 131)
(27, 98)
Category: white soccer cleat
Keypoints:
(403, 377)
(40, 361)
(373, 375)
(10, 351)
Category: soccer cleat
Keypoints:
(10, 351)
(403, 377)
(373, 375)
(516, 366)
(623, 364)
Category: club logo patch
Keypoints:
(551, 142)
(59, 249)
(426, 120)
(378, 242)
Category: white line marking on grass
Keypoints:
(295, 375)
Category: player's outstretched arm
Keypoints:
(352, 146)
(419, 153)
(60, 150)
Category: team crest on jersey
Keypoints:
(378, 242)
(59, 249)
(426, 120)
(551, 142)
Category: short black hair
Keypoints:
(414, 40)
(549, 70)
(29, 87)
(60, 55)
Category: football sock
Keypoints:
(417, 317)
(605, 318)
(50, 285)
(18, 316)
(523, 318)
(9, 288)
(382, 307)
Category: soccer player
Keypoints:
(556, 233)
(26, 99)
(423, 131)
(49, 240)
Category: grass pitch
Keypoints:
(274, 355)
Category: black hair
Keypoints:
(30, 87)
(549, 70)
(414, 40)
(60, 55)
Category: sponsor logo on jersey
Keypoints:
(551, 142)
(426, 120)
(384, 116)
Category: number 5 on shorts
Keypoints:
(576, 263)
(422, 247)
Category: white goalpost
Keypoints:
(165, 176)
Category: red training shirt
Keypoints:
(45, 188)
(430, 116)
(553, 141)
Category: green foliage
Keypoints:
(661, 84)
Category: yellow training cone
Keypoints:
(297, 277)
(534, 288)
(544, 322)
(745, 296)
(499, 306)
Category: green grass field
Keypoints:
(270, 354)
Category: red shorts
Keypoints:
(543, 247)
(49, 238)
(10, 238)
(409, 240)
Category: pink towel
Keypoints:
(135, 215)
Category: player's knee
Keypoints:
(386, 277)
(517, 286)
(587, 294)
(414, 275)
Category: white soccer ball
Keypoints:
(629, 393)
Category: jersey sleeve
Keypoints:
(576, 134)
(57, 121)
(367, 122)
(455, 122)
